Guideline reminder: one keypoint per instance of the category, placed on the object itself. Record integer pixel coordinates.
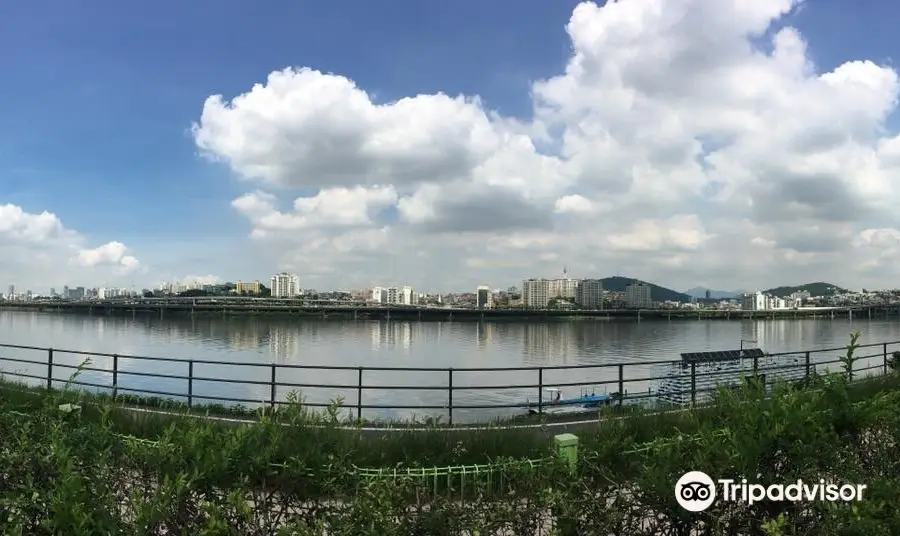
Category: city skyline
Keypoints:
(581, 291)
(745, 156)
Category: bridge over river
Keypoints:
(348, 309)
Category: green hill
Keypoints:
(657, 293)
(814, 289)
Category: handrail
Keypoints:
(615, 377)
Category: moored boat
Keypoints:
(555, 403)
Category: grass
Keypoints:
(428, 445)
(74, 473)
(105, 469)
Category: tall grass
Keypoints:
(76, 464)
(72, 472)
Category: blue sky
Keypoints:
(95, 126)
(99, 95)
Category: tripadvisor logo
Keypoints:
(695, 491)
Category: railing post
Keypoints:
(49, 368)
(359, 394)
(190, 383)
(273, 386)
(806, 359)
(115, 371)
(450, 395)
(621, 382)
(540, 390)
(693, 382)
(884, 360)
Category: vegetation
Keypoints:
(75, 464)
(657, 293)
(814, 289)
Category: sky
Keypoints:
(717, 143)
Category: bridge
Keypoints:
(354, 309)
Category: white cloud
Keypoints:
(693, 139)
(33, 247)
(109, 254)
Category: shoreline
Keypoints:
(411, 314)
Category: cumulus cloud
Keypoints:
(35, 246)
(111, 254)
(694, 142)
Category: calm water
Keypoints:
(399, 344)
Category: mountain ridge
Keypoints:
(657, 293)
(818, 288)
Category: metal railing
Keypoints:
(465, 401)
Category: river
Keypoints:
(398, 344)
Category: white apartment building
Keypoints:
(564, 288)
(589, 294)
(754, 301)
(637, 296)
(379, 295)
(536, 293)
(107, 293)
(285, 285)
(760, 301)
(395, 295)
(484, 298)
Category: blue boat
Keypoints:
(555, 403)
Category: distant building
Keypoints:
(760, 301)
(379, 295)
(247, 287)
(564, 288)
(589, 294)
(76, 293)
(484, 298)
(637, 296)
(536, 293)
(395, 295)
(285, 285)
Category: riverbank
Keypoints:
(103, 470)
(264, 308)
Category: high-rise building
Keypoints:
(637, 296)
(484, 299)
(285, 285)
(12, 292)
(590, 294)
(246, 287)
(76, 293)
(760, 301)
(379, 295)
(536, 293)
(395, 295)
